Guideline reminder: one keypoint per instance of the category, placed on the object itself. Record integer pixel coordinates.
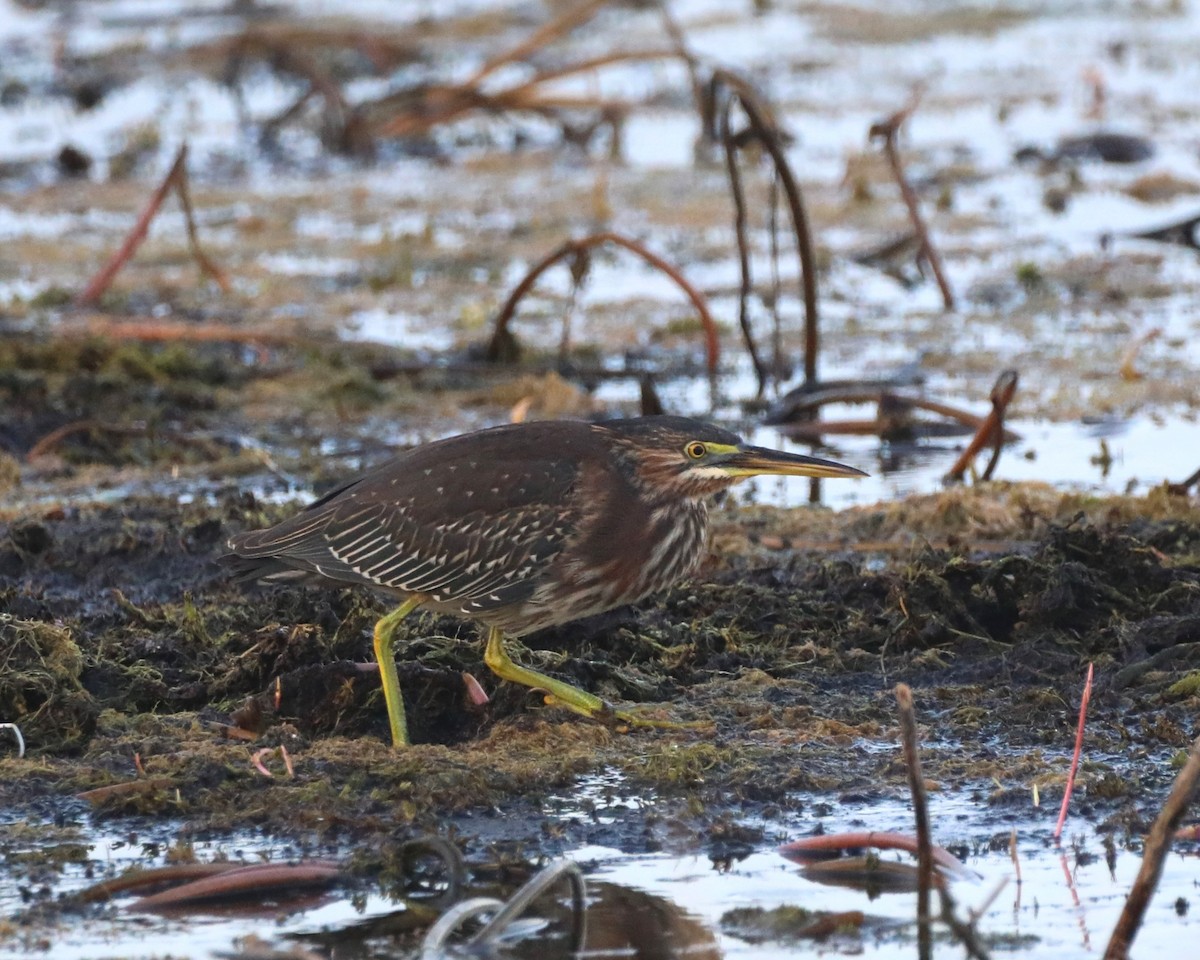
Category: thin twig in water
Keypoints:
(1158, 844)
(887, 131)
(916, 785)
(1083, 705)
(966, 932)
(975, 913)
(1016, 862)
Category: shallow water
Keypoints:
(1036, 292)
(668, 905)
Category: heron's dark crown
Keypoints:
(664, 431)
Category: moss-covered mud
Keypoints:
(123, 642)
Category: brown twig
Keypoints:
(501, 338)
(1128, 367)
(916, 785)
(885, 398)
(176, 178)
(1181, 489)
(1157, 845)
(256, 760)
(165, 331)
(726, 90)
(55, 437)
(100, 794)
(991, 430)
(1066, 800)
(965, 932)
(207, 266)
(887, 131)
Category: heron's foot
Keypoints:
(639, 716)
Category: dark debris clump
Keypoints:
(122, 634)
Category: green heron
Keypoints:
(520, 527)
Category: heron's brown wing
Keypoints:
(473, 530)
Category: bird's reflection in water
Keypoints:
(631, 925)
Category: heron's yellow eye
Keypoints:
(695, 450)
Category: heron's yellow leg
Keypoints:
(563, 694)
(386, 659)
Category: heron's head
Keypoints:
(674, 457)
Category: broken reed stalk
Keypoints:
(501, 338)
(1157, 846)
(887, 130)
(726, 89)
(1128, 367)
(1066, 800)
(1001, 396)
(1181, 489)
(916, 784)
(177, 178)
(991, 430)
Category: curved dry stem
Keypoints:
(573, 248)
(726, 89)
(887, 130)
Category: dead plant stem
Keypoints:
(1158, 844)
(916, 784)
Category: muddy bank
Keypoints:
(123, 638)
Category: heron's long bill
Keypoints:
(756, 461)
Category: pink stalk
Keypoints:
(1083, 705)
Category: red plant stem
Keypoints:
(810, 848)
(1083, 705)
(991, 430)
(100, 282)
(251, 882)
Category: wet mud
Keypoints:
(140, 672)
